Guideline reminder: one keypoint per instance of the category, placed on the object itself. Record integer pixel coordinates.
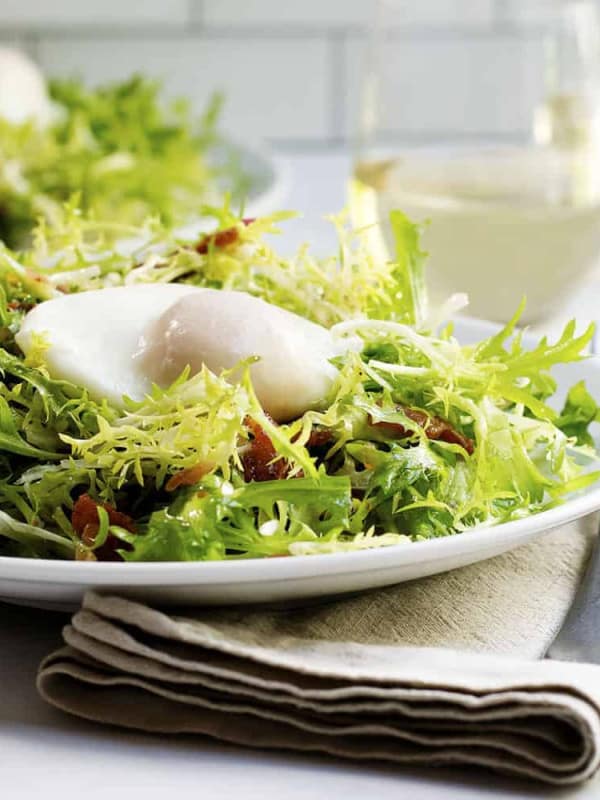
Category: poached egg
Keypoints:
(117, 342)
(23, 92)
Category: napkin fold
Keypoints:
(440, 671)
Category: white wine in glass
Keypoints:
(511, 199)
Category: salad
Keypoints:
(417, 436)
(94, 148)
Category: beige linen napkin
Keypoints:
(439, 671)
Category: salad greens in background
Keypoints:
(123, 151)
(420, 437)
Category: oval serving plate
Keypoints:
(61, 584)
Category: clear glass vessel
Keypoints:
(491, 133)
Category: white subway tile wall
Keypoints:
(43, 14)
(265, 80)
(278, 13)
(509, 84)
(343, 14)
(292, 69)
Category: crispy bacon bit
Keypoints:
(258, 460)
(220, 239)
(318, 444)
(188, 477)
(435, 428)
(84, 519)
(20, 305)
(319, 438)
(35, 276)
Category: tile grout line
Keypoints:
(196, 25)
(188, 29)
(502, 22)
(499, 14)
(196, 14)
(33, 42)
(28, 42)
(337, 85)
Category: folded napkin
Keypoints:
(440, 671)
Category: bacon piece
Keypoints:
(319, 438)
(436, 428)
(20, 305)
(257, 460)
(35, 276)
(319, 443)
(188, 477)
(84, 519)
(219, 239)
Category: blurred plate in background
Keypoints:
(265, 179)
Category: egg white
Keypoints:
(117, 342)
(221, 328)
(92, 337)
(23, 92)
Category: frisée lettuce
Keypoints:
(420, 437)
(120, 150)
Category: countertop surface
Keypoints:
(46, 753)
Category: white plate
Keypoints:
(60, 584)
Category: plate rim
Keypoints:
(305, 566)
